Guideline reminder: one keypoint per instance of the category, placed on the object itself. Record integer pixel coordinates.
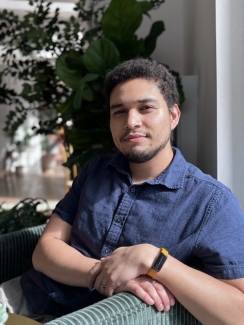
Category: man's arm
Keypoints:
(211, 301)
(55, 257)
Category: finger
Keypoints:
(156, 296)
(136, 290)
(162, 301)
(104, 285)
(93, 273)
(171, 297)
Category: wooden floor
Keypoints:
(49, 185)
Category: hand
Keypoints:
(150, 291)
(124, 264)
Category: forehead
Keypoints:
(135, 89)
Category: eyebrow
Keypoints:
(144, 100)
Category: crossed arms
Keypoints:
(211, 301)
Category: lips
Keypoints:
(136, 137)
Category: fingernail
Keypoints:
(172, 302)
(167, 308)
(150, 301)
(160, 307)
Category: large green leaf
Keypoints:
(145, 6)
(131, 49)
(70, 77)
(121, 19)
(87, 93)
(101, 56)
(150, 41)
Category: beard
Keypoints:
(138, 157)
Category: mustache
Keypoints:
(127, 133)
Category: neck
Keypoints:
(152, 168)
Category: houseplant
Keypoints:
(23, 215)
(73, 90)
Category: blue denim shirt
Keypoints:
(196, 218)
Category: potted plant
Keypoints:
(84, 48)
(23, 215)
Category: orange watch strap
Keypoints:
(163, 255)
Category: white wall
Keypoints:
(188, 46)
(200, 60)
(170, 43)
(230, 94)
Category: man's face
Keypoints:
(140, 120)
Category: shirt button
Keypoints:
(132, 190)
(119, 220)
(106, 250)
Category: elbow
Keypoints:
(36, 259)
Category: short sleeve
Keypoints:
(220, 243)
(68, 206)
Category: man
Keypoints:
(143, 221)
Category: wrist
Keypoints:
(149, 256)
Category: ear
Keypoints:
(175, 116)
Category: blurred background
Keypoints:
(53, 60)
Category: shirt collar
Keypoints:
(172, 177)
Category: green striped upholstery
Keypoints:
(122, 309)
(126, 309)
(16, 249)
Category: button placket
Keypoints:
(117, 224)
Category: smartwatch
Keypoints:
(158, 263)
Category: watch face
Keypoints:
(160, 261)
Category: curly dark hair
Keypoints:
(150, 70)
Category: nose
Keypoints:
(133, 120)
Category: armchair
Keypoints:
(122, 309)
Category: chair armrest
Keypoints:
(126, 309)
(16, 250)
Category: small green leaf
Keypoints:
(150, 41)
(26, 90)
(67, 106)
(101, 56)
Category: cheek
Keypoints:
(114, 132)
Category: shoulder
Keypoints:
(195, 174)
(204, 190)
(188, 177)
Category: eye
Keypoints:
(146, 107)
(121, 111)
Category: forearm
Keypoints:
(62, 263)
(211, 301)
